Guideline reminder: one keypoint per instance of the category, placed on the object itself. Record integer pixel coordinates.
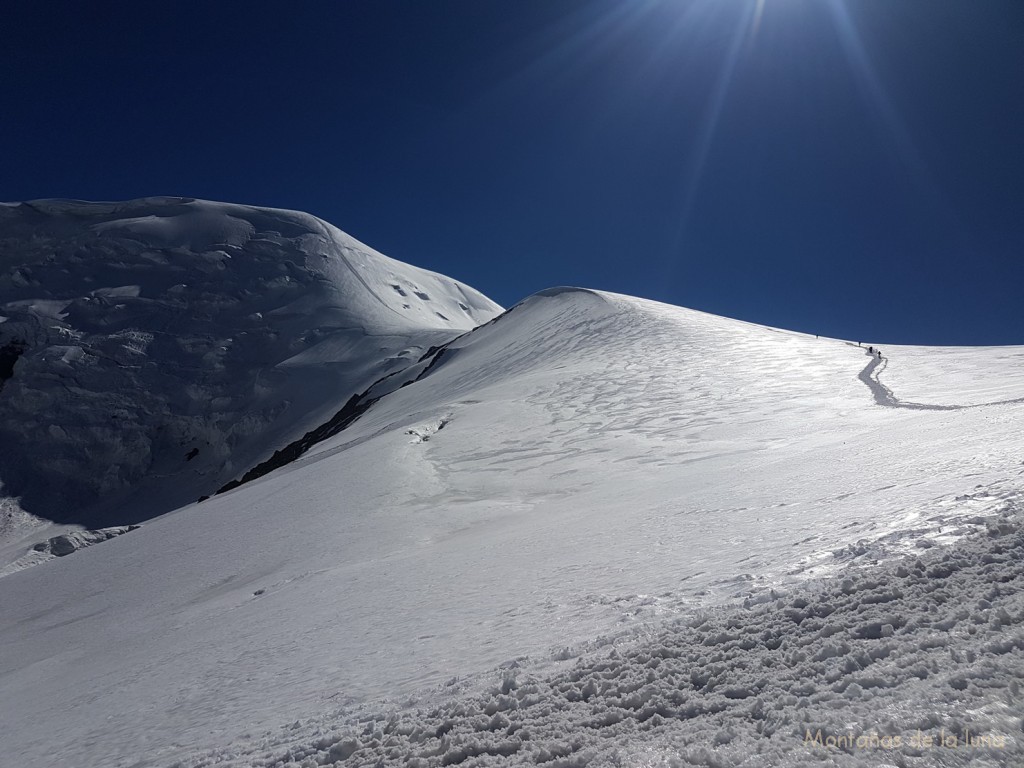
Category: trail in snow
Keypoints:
(884, 395)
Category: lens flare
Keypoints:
(907, 156)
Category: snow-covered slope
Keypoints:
(151, 351)
(553, 480)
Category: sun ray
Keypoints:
(905, 149)
(710, 119)
(755, 25)
(869, 81)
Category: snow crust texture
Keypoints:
(915, 663)
(152, 350)
(673, 538)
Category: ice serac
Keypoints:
(152, 350)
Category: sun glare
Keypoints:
(758, 13)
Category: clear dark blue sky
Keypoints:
(845, 167)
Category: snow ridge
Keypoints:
(360, 403)
(151, 350)
(666, 533)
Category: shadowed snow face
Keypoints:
(151, 350)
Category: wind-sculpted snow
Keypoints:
(915, 663)
(360, 403)
(152, 350)
(583, 469)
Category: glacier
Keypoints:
(163, 344)
(588, 530)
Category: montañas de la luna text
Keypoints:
(918, 740)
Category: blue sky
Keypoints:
(852, 168)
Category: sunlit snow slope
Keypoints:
(152, 350)
(584, 462)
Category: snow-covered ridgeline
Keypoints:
(154, 349)
(584, 466)
(580, 466)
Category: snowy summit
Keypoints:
(163, 345)
(588, 530)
